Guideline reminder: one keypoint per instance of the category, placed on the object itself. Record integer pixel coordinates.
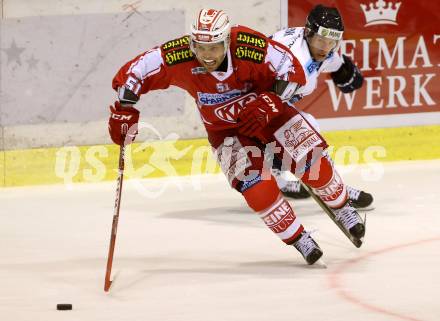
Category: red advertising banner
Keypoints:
(396, 44)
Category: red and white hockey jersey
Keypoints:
(254, 63)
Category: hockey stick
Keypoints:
(356, 242)
(111, 248)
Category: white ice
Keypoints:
(196, 253)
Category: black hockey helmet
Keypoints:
(323, 31)
(321, 16)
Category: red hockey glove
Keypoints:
(123, 123)
(258, 113)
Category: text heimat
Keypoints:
(400, 80)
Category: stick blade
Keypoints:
(107, 285)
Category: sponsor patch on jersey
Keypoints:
(229, 112)
(222, 87)
(313, 66)
(249, 183)
(176, 43)
(296, 98)
(198, 70)
(209, 99)
(252, 40)
(248, 53)
(282, 62)
(297, 137)
(289, 31)
(178, 56)
(292, 37)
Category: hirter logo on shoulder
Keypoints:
(176, 43)
(177, 56)
(247, 53)
(250, 39)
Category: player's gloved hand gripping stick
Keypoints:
(258, 113)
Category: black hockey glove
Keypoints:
(348, 77)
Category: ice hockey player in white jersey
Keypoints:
(315, 46)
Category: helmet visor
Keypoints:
(323, 43)
(326, 39)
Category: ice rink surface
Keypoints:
(195, 253)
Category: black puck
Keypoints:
(64, 306)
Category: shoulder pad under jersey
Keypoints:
(177, 51)
(248, 44)
(290, 37)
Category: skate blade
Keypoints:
(112, 282)
(320, 264)
(365, 209)
(357, 242)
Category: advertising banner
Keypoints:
(396, 45)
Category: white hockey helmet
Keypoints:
(211, 26)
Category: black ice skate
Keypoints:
(344, 217)
(290, 188)
(307, 246)
(294, 189)
(359, 199)
(350, 220)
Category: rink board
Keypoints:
(73, 164)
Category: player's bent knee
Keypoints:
(262, 194)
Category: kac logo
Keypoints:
(229, 112)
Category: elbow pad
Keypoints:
(126, 96)
(348, 77)
(285, 90)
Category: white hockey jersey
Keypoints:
(293, 38)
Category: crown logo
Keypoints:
(381, 13)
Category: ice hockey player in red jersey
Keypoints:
(315, 46)
(231, 73)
